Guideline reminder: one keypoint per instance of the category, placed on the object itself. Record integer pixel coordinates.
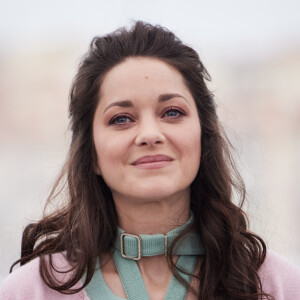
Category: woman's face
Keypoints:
(146, 131)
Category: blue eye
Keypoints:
(120, 120)
(174, 113)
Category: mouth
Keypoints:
(153, 161)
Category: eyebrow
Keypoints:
(162, 98)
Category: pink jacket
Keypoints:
(279, 277)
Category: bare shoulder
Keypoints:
(26, 282)
(279, 277)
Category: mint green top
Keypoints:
(190, 247)
(97, 289)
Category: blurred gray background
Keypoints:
(250, 48)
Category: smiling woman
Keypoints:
(149, 181)
(151, 139)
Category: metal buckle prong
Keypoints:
(139, 241)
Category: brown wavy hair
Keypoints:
(86, 225)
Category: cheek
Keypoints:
(111, 150)
(191, 146)
(191, 138)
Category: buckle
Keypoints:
(139, 241)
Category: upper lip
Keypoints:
(152, 158)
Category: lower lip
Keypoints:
(154, 165)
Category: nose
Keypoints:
(149, 133)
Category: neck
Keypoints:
(152, 217)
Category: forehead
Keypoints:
(141, 77)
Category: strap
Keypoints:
(130, 248)
(133, 283)
(175, 289)
(135, 246)
(97, 288)
(131, 278)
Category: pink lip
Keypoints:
(152, 161)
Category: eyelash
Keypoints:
(180, 112)
(114, 120)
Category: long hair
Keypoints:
(86, 225)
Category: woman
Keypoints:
(150, 181)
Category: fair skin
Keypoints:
(147, 136)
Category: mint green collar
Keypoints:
(136, 246)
